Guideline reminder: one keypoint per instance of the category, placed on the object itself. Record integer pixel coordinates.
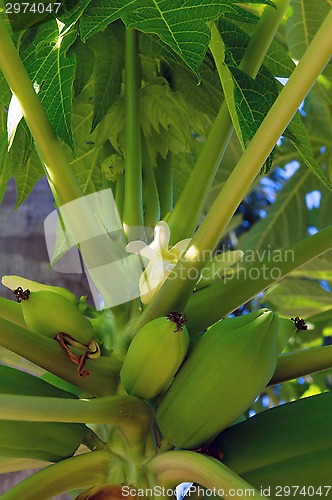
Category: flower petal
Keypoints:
(162, 236)
(182, 245)
(141, 248)
(151, 281)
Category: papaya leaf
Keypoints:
(205, 97)
(318, 117)
(303, 22)
(298, 297)
(48, 67)
(5, 164)
(90, 150)
(182, 27)
(26, 175)
(85, 59)
(108, 49)
(71, 11)
(248, 99)
(320, 268)
(236, 37)
(287, 220)
(300, 140)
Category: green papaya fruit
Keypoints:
(49, 313)
(154, 356)
(228, 368)
(13, 282)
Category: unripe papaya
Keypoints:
(228, 368)
(154, 356)
(13, 282)
(49, 313)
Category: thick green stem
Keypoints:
(83, 471)
(164, 180)
(56, 164)
(150, 192)
(119, 196)
(176, 291)
(129, 414)
(296, 364)
(133, 204)
(264, 34)
(48, 354)
(174, 467)
(12, 311)
(274, 124)
(212, 303)
(189, 206)
(59, 172)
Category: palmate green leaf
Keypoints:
(21, 162)
(300, 141)
(90, 148)
(318, 117)
(71, 11)
(298, 297)
(180, 25)
(5, 164)
(168, 121)
(85, 60)
(48, 67)
(248, 99)
(108, 48)
(303, 22)
(205, 97)
(116, 118)
(26, 176)
(287, 220)
(236, 37)
(320, 268)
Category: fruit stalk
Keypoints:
(60, 174)
(176, 291)
(296, 364)
(48, 354)
(212, 303)
(174, 467)
(122, 411)
(133, 203)
(82, 471)
(188, 208)
(11, 311)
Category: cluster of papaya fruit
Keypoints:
(205, 391)
(199, 389)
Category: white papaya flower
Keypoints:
(162, 260)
